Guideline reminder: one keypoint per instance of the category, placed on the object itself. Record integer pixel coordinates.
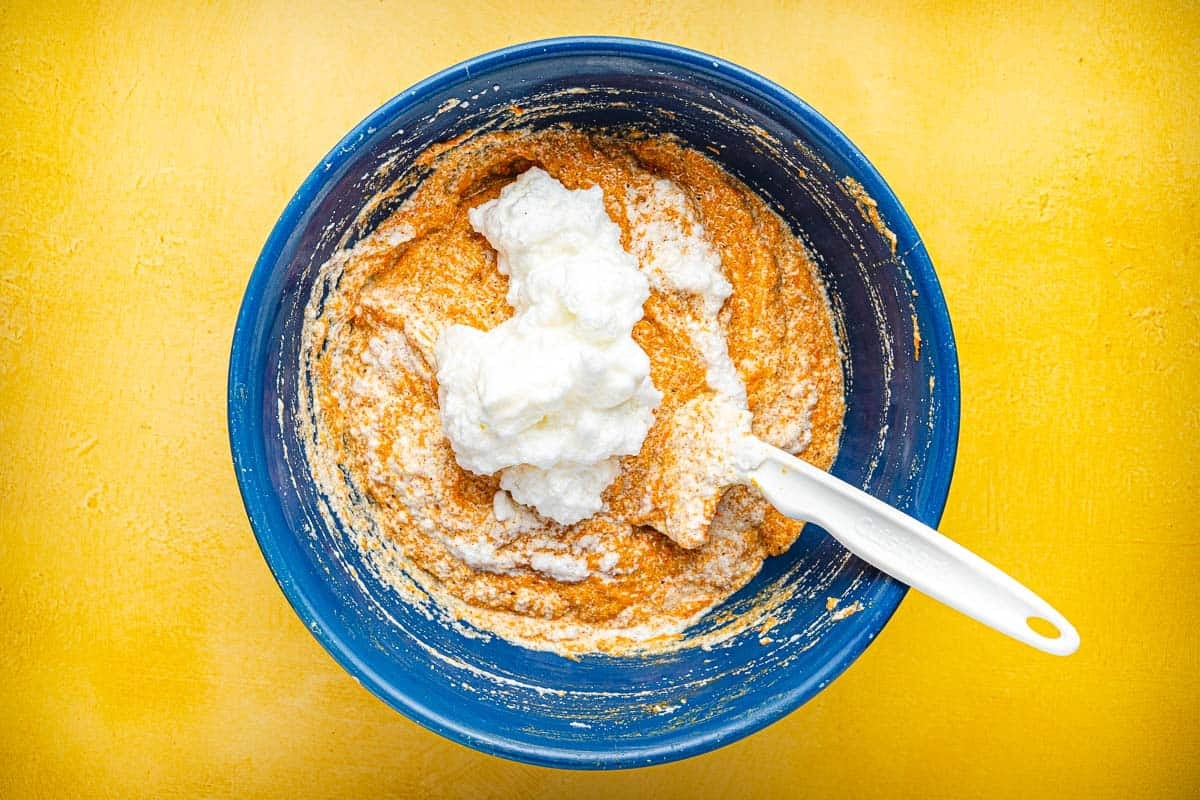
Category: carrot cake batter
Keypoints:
(735, 322)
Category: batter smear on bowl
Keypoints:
(515, 387)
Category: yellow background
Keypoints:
(1050, 159)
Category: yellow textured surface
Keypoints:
(1049, 157)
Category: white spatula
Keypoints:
(904, 548)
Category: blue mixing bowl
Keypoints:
(899, 442)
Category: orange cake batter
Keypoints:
(380, 456)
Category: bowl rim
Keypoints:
(245, 425)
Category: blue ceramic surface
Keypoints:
(899, 442)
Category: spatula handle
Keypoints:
(908, 550)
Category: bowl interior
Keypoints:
(899, 440)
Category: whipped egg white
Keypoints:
(551, 397)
